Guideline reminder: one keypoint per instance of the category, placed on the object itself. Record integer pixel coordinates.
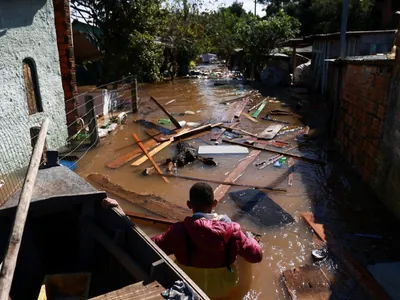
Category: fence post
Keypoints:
(10, 259)
(134, 95)
(91, 115)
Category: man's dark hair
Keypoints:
(201, 194)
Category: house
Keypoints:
(30, 81)
(327, 46)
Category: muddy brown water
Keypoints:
(285, 247)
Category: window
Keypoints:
(32, 87)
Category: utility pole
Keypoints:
(255, 7)
(343, 28)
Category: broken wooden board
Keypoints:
(249, 117)
(221, 190)
(150, 202)
(239, 98)
(318, 228)
(188, 133)
(307, 283)
(122, 160)
(261, 208)
(270, 132)
(259, 110)
(239, 107)
(153, 152)
(277, 144)
(221, 149)
(156, 135)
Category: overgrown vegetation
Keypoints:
(148, 37)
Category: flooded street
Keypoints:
(315, 188)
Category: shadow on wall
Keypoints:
(15, 14)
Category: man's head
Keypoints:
(201, 197)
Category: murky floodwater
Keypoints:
(285, 247)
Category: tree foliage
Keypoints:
(259, 37)
(128, 35)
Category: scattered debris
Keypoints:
(169, 102)
(149, 125)
(153, 152)
(249, 117)
(269, 118)
(319, 254)
(311, 160)
(122, 160)
(173, 120)
(192, 124)
(2, 183)
(189, 112)
(164, 121)
(223, 150)
(259, 110)
(148, 156)
(156, 135)
(270, 132)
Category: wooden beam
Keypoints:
(185, 134)
(222, 189)
(121, 256)
(311, 160)
(10, 258)
(249, 117)
(151, 203)
(153, 152)
(259, 110)
(226, 182)
(148, 156)
(122, 160)
(173, 120)
(240, 107)
(257, 105)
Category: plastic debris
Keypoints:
(164, 121)
(189, 112)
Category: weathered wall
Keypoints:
(67, 59)
(27, 31)
(368, 131)
(362, 116)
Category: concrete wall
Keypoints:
(27, 31)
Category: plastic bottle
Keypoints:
(279, 163)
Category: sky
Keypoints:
(248, 5)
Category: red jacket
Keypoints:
(204, 243)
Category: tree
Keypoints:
(259, 37)
(129, 31)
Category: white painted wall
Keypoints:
(27, 30)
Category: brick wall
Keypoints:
(67, 59)
(362, 117)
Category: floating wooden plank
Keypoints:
(222, 189)
(318, 228)
(239, 98)
(151, 203)
(221, 149)
(291, 171)
(307, 283)
(249, 117)
(259, 110)
(257, 105)
(173, 120)
(225, 183)
(185, 134)
(311, 160)
(240, 107)
(153, 152)
(156, 135)
(137, 291)
(149, 156)
(270, 132)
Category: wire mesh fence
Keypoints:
(89, 116)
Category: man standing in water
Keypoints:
(206, 245)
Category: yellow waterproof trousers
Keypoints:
(215, 283)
